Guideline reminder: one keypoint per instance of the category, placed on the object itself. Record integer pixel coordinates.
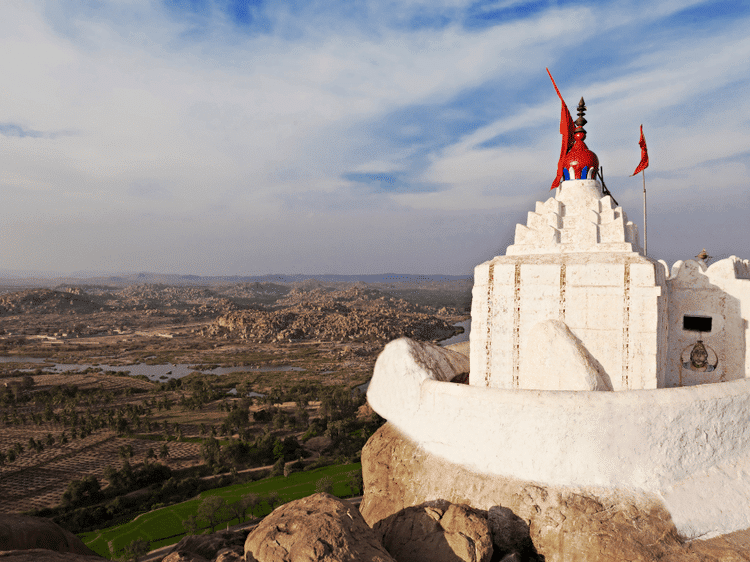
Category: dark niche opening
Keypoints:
(697, 323)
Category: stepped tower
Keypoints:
(575, 281)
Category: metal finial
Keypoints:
(703, 256)
(581, 121)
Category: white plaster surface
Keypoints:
(577, 219)
(552, 358)
(414, 362)
(576, 261)
(649, 440)
(614, 303)
(711, 502)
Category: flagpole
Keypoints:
(645, 227)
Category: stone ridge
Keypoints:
(46, 301)
(355, 314)
(75, 300)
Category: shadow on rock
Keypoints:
(511, 537)
(23, 532)
(438, 531)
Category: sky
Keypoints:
(246, 137)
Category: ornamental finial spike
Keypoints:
(581, 121)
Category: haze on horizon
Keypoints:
(236, 137)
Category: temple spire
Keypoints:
(580, 163)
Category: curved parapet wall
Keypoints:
(650, 440)
(401, 369)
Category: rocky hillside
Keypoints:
(48, 301)
(194, 301)
(197, 301)
(353, 314)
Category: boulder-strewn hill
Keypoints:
(195, 300)
(48, 301)
(354, 314)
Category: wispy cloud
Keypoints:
(278, 125)
(16, 130)
(13, 130)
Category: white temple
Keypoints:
(577, 276)
(592, 364)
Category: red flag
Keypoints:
(566, 130)
(644, 155)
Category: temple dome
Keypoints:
(580, 163)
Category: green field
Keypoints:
(163, 526)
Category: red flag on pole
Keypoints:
(644, 155)
(566, 130)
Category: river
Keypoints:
(159, 373)
(163, 373)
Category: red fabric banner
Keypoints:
(644, 155)
(566, 130)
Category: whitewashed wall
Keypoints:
(576, 261)
(655, 441)
(614, 303)
(720, 292)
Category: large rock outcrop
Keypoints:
(586, 525)
(208, 547)
(23, 532)
(438, 532)
(321, 528)
(355, 314)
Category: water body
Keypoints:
(466, 325)
(251, 394)
(163, 373)
(158, 373)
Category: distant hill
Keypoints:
(18, 279)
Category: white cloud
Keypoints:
(674, 76)
(168, 127)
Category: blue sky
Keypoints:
(219, 137)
